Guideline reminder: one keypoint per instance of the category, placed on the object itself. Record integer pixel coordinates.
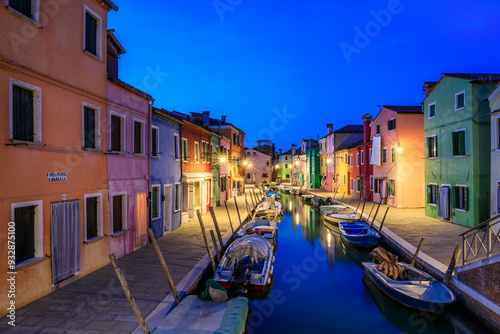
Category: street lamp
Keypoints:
(277, 166)
(222, 159)
(296, 163)
(245, 163)
(399, 149)
(328, 160)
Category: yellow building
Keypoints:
(342, 171)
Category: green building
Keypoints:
(285, 167)
(313, 165)
(457, 155)
(215, 143)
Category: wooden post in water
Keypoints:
(453, 263)
(204, 233)
(416, 253)
(368, 219)
(219, 235)
(363, 209)
(130, 298)
(214, 241)
(249, 212)
(229, 216)
(383, 220)
(251, 198)
(237, 211)
(376, 212)
(164, 266)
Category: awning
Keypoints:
(196, 177)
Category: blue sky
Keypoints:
(282, 70)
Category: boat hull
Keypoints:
(434, 288)
(358, 235)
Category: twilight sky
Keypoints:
(281, 70)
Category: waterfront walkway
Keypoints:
(97, 304)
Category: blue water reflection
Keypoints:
(319, 287)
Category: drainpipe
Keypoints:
(150, 118)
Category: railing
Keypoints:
(482, 241)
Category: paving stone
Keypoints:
(100, 325)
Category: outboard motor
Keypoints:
(241, 270)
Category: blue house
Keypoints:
(166, 175)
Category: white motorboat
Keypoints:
(263, 227)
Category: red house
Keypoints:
(365, 168)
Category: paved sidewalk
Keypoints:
(97, 304)
(441, 237)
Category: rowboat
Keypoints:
(286, 190)
(324, 209)
(246, 264)
(342, 214)
(269, 214)
(272, 194)
(358, 234)
(307, 198)
(263, 227)
(408, 285)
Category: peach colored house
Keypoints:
(397, 153)
(128, 136)
(53, 187)
(258, 167)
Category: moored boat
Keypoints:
(286, 190)
(358, 234)
(324, 209)
(263, 227)
(406, 284)
(307, 198)
(246, 264)
(342, 214)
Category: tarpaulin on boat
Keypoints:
(253, 245)
(387, 263)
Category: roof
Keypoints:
(130, 88)
(493, 90)
(167, 114)
(116, 48)
(350, 129)
(289, 152)
(474, 76)
(405, 109)
(108, 3)
(263, 148)
(349, 145)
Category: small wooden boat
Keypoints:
(294, 192)
(246, 264)
(273, 194)
(324, 209)
(358, 234)
(307, 198)
(286, 190)
(263, 227)
(315, 201)
(269, 214)
(342, 215)
(408, 285)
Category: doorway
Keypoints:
(167, 209)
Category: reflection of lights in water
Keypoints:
(297, 218)
(329, 239)
(290, 205)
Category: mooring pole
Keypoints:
(164, 266)
(130, 298)
(219, 235)
(214, 241)
(383, 220)
(416, 253)
(237, 211)
(453, 263)
(204, 233)
(376, 212)
(229, 216)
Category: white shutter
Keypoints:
(375, 157)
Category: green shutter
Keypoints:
(461, 142)
(437, 194)
(466, 199)
(429, 194)
(454, 140)
(456, 192)
(427, 147)
(436, 146)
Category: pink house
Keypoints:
(258, 166)
(128, 138)
(397, 153)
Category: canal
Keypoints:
(319, 287)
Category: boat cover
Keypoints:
(388, 264)
(251, 245)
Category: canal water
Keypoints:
(319, 287)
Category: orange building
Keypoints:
(53, 90)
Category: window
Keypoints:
(359, 184)
(352, 184)
(431, 110)
(234, 138)
(203, 151)
(458, 142)
(93, 216)
(287, 176)
(91, 126)
(184, 149)
(119, 209)
(362, 157)
(28, 221)
(176, 147)
(497, 133)
(177, 196)
(248, 153)
(238, 139)
(462, 197)
(267, 163)
(92, 33)
(392, 187)
(357, 159)
(391, 124)
(432, 194)
(254, 153)
(370, 153)
(345, 179)
(460, 100)
(384, 155)
(29, 8)
(371, 182)
(248, 175)
(376, 185)
(196, 152)
(345, 159)
(155, 142)
(155, 201)
(138, 137)
(223, 184)
(264, 174)
(117, 132)
(377, 129)
(350, 158)
(286, 158)
(25, 112)
(286, 165)
(393, 154)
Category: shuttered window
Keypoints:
(154, 142)
(22, 114)
(392, 187)
(90, 34)
(176, 147)
(154, 202)
(89, 129)
(196, 152)
(177, 198)
(91, 215)
(462, 198)
(432, 147)
(432, 194)
(116, 133)
(384, 155)
(22, 6)
(458, 142)
(112, 65)
(118, 213)
(138, 137)
(24, 218)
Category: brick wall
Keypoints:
(485, 280)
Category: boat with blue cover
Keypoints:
(359, 234)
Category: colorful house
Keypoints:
(458, 147)
(267, 147)
(397, 152)
(323, 173)
(356, 179)
(342, 169)
(313, 165)
(304, 174)
(494, 100)
(166, 175)
(296, 176)
(340, 138)
(225, 168)
(285, 166)
(54, 121)
(215, 140)
(365, 168)
(128, 136)
(259, 167)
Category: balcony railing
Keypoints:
(482, 241)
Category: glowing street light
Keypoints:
(277, 166)
(296, 163)
(222, 159)
(245, 163)
(399, 149)
(328, 160)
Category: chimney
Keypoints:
(281, 150)
(294, 147)
(206, 118)
(311, 143)
(223, 119)
(429, 87)
(366, 128)
(329, 126)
